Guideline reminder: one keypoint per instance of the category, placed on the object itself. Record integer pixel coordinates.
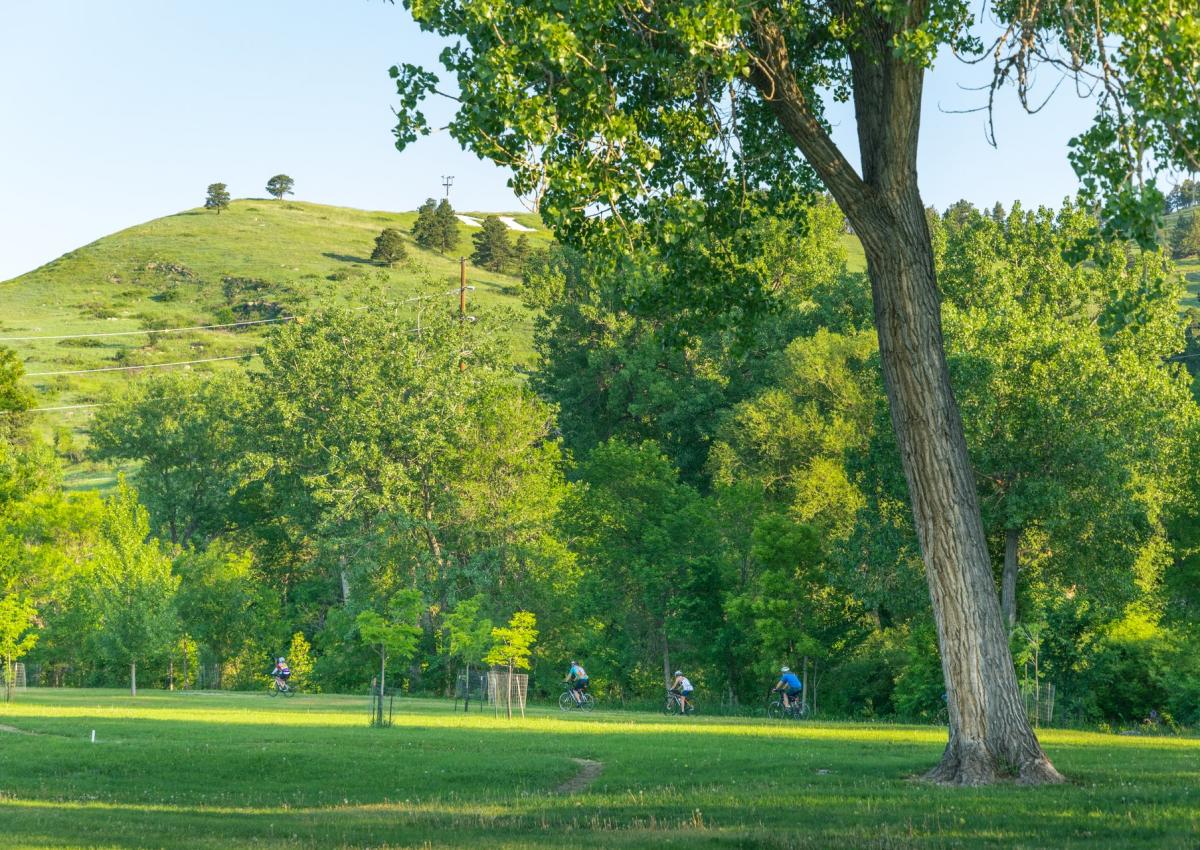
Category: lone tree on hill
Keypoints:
(389, 248)
(676, 111)
(218, 197)
(280, 185)
(492, 251)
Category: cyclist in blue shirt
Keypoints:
(790, 684)
(577, 681)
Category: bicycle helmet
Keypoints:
(785, 670)
(281, 661)
(678, 672)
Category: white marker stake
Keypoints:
(93, 736)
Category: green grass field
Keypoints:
(182, 770)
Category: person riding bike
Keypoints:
(790, 684)
(281, 674)
(681, 689)
(577, 681)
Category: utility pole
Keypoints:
(447, 182)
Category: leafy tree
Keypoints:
(469, 635)
(389, 248)
(218, 197)
(300, 661)
(645, 547)
(186, 432)
(521, 252)
(493, 250)
(280, 185)
(1183, 195)
(220, 602)
(394, 636)
(135, 589)
(512, 645)
(1185, 236)
(596, 133)
(17, 636)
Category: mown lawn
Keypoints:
(241, 770)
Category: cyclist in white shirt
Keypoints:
(682, 688)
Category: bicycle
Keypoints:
(676, 704)
(567, 701)
(797, 709)
(281, 687)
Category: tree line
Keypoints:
(717, 490)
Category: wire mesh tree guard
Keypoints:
(507, 688)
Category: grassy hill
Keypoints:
(258, 260)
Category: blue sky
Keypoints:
(118, 112)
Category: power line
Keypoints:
(148, 330)
(210, 327)
(146, 366)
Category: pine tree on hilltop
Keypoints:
(446, 227)
(389, 248)
(492, 251)
(280, 185)
(424, 227)
(218, 197)
(521, 251)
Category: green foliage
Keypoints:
(469, 634)
(1185, 236)
(436, 228)
(18, 620)
(395, 634)
(493, 250)
(135, 590)
(217, 198)
(221, 602)
(512, 645)
(280, 185)
(389, 248)
(300, 661)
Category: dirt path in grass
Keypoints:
(588, 771)
(14, 730)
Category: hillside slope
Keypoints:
(258, 260)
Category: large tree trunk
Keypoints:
(133, 678)
(1008, 578)
(990, 735)
(667, 677)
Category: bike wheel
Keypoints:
(588, 702)
(800, 711)
(775, 709)
(672, 706)
(691, 707)
(566, 702)
(288, 691)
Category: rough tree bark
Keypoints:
(990, 734)
(1008, 578)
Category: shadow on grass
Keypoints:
(347, 258)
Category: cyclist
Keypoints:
(790, 684)
(681, 688)
(577, 681)
(281, 674)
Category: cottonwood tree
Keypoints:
(616, 106)
(280, 185)
(218, 197)
(135, 588)
(469, 634)
(512, 646)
